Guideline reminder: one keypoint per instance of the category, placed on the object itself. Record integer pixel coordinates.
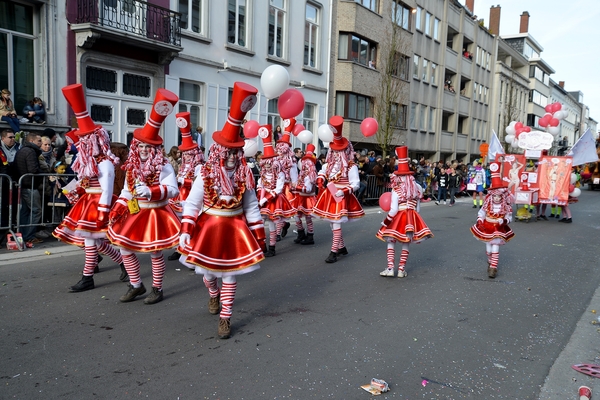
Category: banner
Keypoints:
(554, 178)
(495, 147)
(584, 150)
(512, 167)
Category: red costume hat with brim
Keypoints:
(182, 120)
(403, 160)
(288, 126)
(164, 102)
(496, 173)
(339, 142)
(242, 101)
(265, 132)
(71, 135)
(309, 154)
(76, 99)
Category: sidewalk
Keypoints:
(49, 248)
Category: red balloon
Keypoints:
(554, 122)
(385, 201)
(369, 127)
(526, 129)
(251, 129)
(548, 108)
(571, 188)
(518, 126)
(297, 129)
(543, 122)
(556, 107)
(290, 103)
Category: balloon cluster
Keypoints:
(513, 130)
(551, 119)
(574, 191)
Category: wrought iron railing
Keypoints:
(133, 16)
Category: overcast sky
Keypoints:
(569, 33)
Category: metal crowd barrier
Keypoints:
(373, 190)
(6, 207)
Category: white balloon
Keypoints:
(560, 115)
(553, 130)
(509, 139)
(573, 178)
(575, 193)
(250, 147)
(512, 123)
(305, 136)
(510, 130)
(274, 81)
(325, 133)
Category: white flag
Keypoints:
(495, 147)
(584, 150)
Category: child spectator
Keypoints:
(442, 180)
(35, 111)
(454, 182)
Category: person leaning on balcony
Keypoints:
(7, 111)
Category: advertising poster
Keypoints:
(513, 166)
(554, 177)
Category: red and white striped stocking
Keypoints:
(309, 224)
(158, 269)
(337, 238)
(494, 260)
(91, 257)
(213, 288)
(227, 297)
(105, 248)
(132, 266)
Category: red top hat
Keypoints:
(265, 132)
(76, 99)
(182, 120)
(288, 126)
(72, 136)
(496, 173)
(339, 142)
(242, 101)
(309, 154)
(403, 160)
(164, 101)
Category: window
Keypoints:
(428, 24)
(425, 70)
(416, 64)
(310, 117)
(474, 90)
(354, 48)
(414, 111)
(273, 117)
(191, 99)
(192, 15)
(311, 35)
(101, 79)
(537, 73)
(538, 98)
(401, 66)
(419, 19)
(398, 115)
(431, 125)
(352, 105)
(529, 52)
(237, 24)
(434, 73)
(423, 117)
(436, 29)
(277, 28)
(401, 15)
(17, 43)
(370, 4)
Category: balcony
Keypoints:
(132, 23)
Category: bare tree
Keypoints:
(510, 110)
(391, 102)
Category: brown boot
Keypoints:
(492, 272)
(224, 328)
(214, 305)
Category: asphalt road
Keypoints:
(304, 329)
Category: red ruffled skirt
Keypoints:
(491, 232)
(277, 207)
(407, 226)
(80, 222)
(223, 245)
(176, 202)
(328, 209)
(304, 204)
(152, 229)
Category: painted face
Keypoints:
(187, 157)
(61, 169)
(144, 151)
(231, 159)
(497, 198)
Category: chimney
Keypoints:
(561, 84)
(495, 20)
(524, 27)
(470, 4)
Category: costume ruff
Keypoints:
(328, 209)
(488, 231)
(221, 242)
(304, 202)
(80, 222)
(406, 226)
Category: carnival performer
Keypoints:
(289, 166)
(493, 219)
(478, 178)
(86, 223)
(191, 160)
(337, 203)
(274, 205)
(222, 232)
(403, 223)
(305, 198)
(141, 219)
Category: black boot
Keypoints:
(332, 258)
(270, 251)
(285, 228)
(308, 239)
(124, 277)
(301, 236)
(86, 283)
(343, 251)
(278, 238)
(174, 256)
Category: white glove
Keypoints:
(339, 193)
(500, 220)
(184, 240)
(180, 179)
(143, 191)
(262, 202)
